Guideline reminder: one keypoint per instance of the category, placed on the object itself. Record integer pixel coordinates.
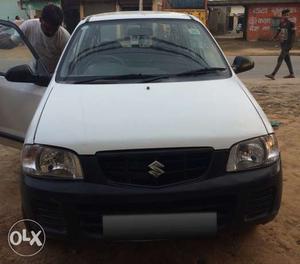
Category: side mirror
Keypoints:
(242, 64)
(23, 73)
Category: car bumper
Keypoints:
(77, 209)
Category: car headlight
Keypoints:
(253, 153)
(50, 162)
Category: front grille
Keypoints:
(260, 203)
(132, 167)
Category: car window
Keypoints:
(140, 47)
(13, 51)
(201, 44)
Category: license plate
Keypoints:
(159, 226)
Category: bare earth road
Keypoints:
(265, 65)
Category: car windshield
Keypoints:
(141, 50)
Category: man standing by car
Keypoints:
(286, 34)
(45, 34)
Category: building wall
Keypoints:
(236, 10)
(264, 18)
(91, 8)
(218, 20)
(34, 8)
(9, 9)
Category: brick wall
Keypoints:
(264, 18)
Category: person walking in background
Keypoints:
(286, 33)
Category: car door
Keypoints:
(18, 100)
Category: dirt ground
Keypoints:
(234, 47)
(275, 242)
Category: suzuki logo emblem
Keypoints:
(156, 169)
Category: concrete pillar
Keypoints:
(81, 10)
(235, 22)
(157, 5)
(118, 7)
(141, 3)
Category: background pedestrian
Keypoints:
(286, 34)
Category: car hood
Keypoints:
(91, 118)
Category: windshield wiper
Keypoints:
(200, 71)
(187, 73)
(174, 45)
(109, 79)
(145, 78)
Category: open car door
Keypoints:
(21, 89)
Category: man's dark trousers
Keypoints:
(284, 55)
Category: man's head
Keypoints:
(51, 19)
(285, 14)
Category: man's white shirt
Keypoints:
(49, 49)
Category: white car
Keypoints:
(144, 132)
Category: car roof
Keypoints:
(136, 15)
